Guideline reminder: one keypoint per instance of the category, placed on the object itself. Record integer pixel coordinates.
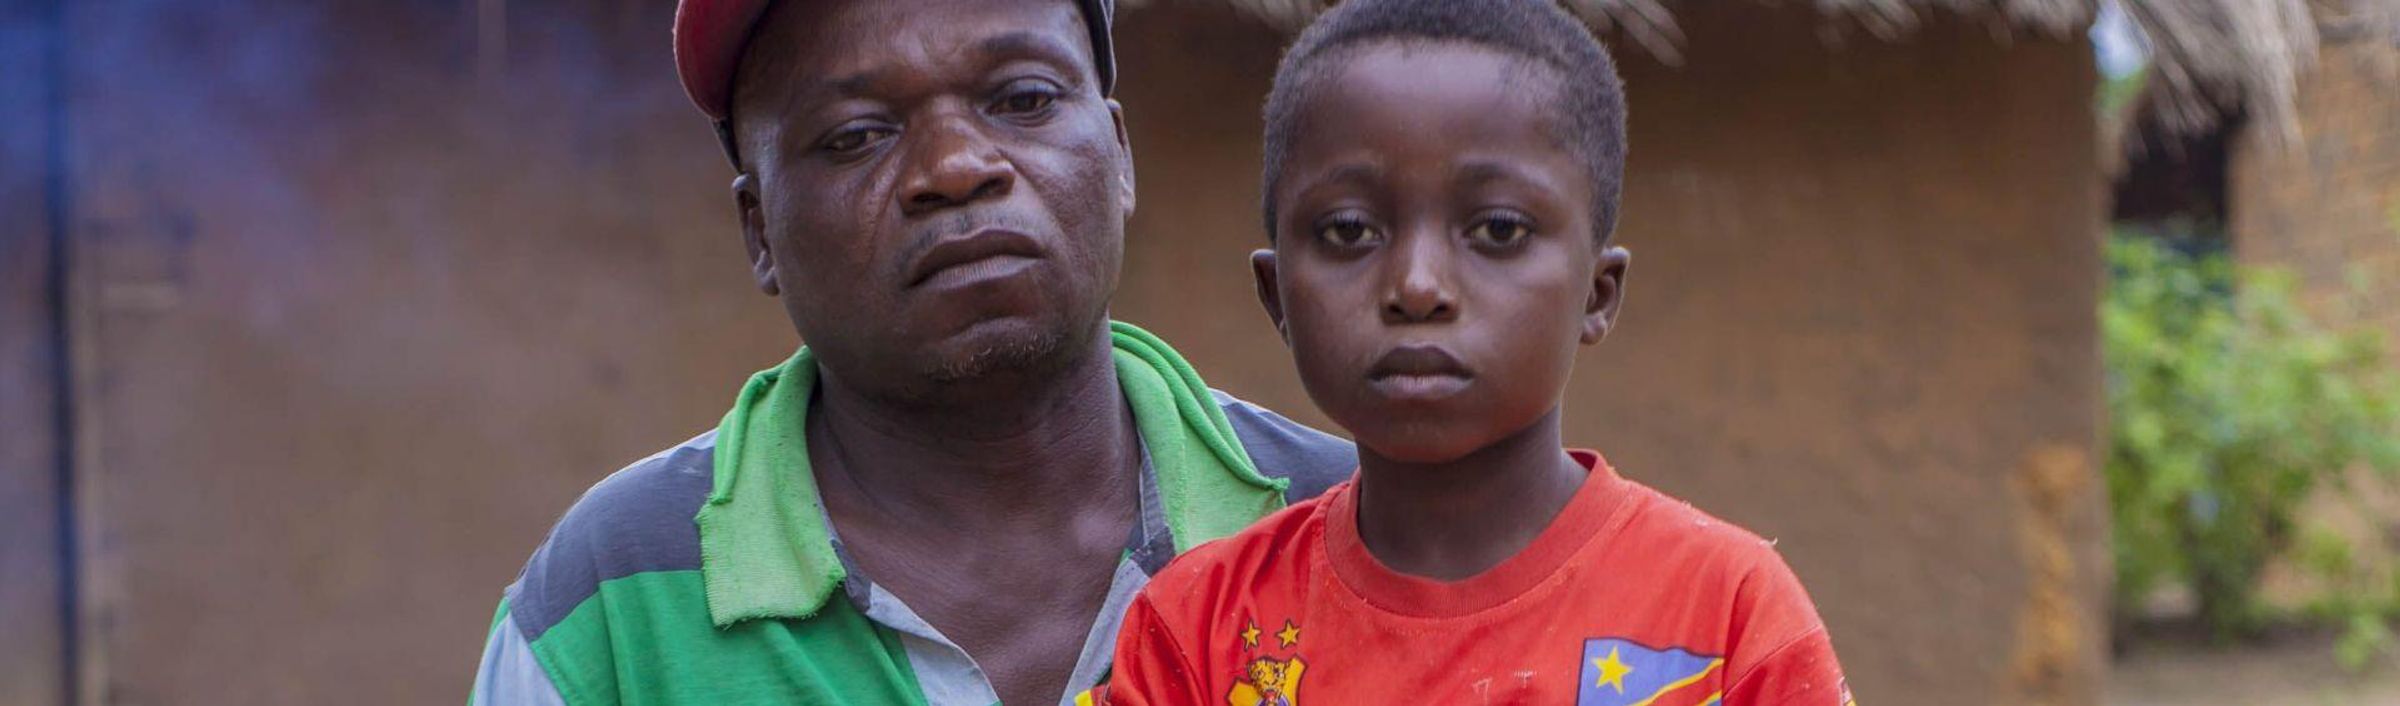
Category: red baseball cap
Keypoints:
(710, 36)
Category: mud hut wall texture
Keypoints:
(370, 308)
(2328, 204)
(368, 318)
(32, 670)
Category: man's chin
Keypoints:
(995, 348)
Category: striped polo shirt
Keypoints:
(613, 608)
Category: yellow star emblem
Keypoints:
(1250, 635)
(1290, 634)
(1612, 671)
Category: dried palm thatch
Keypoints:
(2208, 56)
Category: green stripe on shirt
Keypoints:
(646, 639)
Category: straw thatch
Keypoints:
(2208, 56)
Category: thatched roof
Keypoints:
(2207, 56)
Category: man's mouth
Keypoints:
(982, 255)
(1419, 372)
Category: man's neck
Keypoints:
(1459, 518)
(1024, 460)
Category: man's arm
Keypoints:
(637, 521)
(509, 674)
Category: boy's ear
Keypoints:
(754, 233)
(1608, 293)
(1116, 114)
(1262, 267)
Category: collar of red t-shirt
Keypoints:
(1597, 511)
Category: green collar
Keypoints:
(767, 552)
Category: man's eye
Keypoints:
(1499, 231)
(1025, 98)
(851, 140)
(1347, 233)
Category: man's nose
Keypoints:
(953, 164)
(1420, 284)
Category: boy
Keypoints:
(1442, 179)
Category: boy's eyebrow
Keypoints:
(1485, 171)
(1353, 172)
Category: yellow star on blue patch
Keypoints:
(1621, 672)
(1612, 671)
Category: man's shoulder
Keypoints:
(1274, 553)
(1281, 448)
(637, 520)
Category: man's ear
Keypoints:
(1608, 293)
(1262, 267)
(754, 233)
(1116, 116)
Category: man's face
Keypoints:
(935, 189)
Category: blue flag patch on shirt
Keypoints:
(1620, 672)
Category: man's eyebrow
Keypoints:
(814, 89)
(1025, 44)
(853, 84)
(1009, 45)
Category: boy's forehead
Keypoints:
(1443, 96)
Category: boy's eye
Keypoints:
(1499, 231)
(1347, 233)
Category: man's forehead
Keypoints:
(714, 37)
(849, 41)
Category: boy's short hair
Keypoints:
(1590, 100)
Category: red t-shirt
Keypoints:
(1628, 597)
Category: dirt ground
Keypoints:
(2298, 671)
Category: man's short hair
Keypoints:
(1590, 97)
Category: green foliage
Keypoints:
(2229, 406)
(2117, 95)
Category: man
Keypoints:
(948, 496)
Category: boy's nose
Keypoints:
(1420, 289)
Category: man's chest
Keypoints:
(1019, 623)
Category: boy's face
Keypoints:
(1435, 265)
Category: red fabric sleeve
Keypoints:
(1151, 667)
(1801, 673)
(1782, 654)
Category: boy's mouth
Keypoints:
(1418, 372)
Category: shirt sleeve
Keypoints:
(1151, 667)
(1802, 672)
(509, 674)
(1782, 654)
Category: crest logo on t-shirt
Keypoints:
(1620, 672)
(1267, 680)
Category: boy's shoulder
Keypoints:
(1668, 528)
(1707, 560)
